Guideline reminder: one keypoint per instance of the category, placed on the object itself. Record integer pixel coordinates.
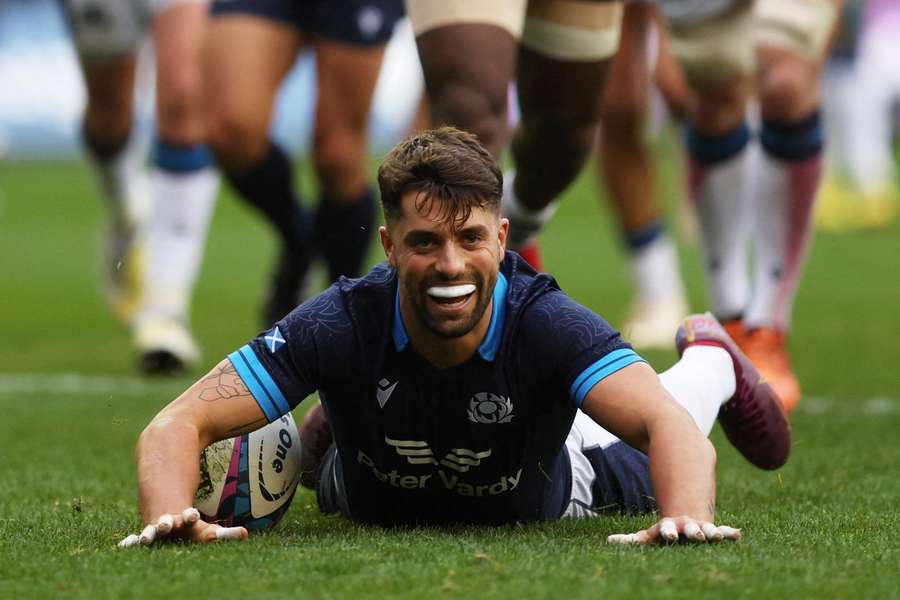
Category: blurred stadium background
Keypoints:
(42, 94)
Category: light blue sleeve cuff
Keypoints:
(603, 368)
(260, 383)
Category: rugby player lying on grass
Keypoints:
(462, 387)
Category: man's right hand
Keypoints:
(188, 526)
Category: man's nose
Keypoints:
(451, 262)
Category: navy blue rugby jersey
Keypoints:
(481, 442)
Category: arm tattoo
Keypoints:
(222, 383)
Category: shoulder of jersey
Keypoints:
(525, 285)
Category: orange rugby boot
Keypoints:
(767, 348)
(735, 330)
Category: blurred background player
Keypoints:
(558, 52)
(251, 47)
(729, 49)
(862, 87)
(150, 293)
(626, 164)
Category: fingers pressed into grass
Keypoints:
(231, 533)
(643, 537)
(129, 541)
(711, 532)
(693, 532)
(190, 515)
(165, 524)
(668, 530)
(639, 537)
(148, 534)
(729, 533)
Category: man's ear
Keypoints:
(388, 245)
(502, 232)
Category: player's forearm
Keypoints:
(682, 470)
(168, 467)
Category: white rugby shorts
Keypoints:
(566, 30)
(723, 45)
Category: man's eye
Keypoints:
(471, 238)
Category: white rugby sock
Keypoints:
(176, 235)
(719, 187)
(701, 382)
(525, 224)
(655, 270)
(787, 179)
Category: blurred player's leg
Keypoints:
(791, 46)
(107, 125)
(877, 76)
(836, 202)
(627, 168)
(247, 56)
(566, 47)
(862, 82)
(346, 218)
(107, 129)
(349, 45)
(468, 52)
(717, 55)
(468, 55)
(183, 187)
(106, 37)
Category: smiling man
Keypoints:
(459, 386)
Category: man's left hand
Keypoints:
(671, 529)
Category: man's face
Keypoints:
(447, 271)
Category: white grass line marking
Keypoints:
(816, 405)
(881, 406)
(874, 407)
(17, 384)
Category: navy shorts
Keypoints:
(357, 22)
(622, 480)
(330, 492)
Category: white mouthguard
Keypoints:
(451, 291)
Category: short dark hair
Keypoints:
(446, 164)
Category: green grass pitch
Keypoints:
(71, 407)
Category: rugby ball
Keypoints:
(250, 480)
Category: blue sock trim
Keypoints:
(181, 159)
(646, 235)
(710, 149)
(793, 141)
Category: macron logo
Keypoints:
(274, 340)
(384, 391)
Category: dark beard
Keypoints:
(484, 292)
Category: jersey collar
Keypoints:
(491, 342)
